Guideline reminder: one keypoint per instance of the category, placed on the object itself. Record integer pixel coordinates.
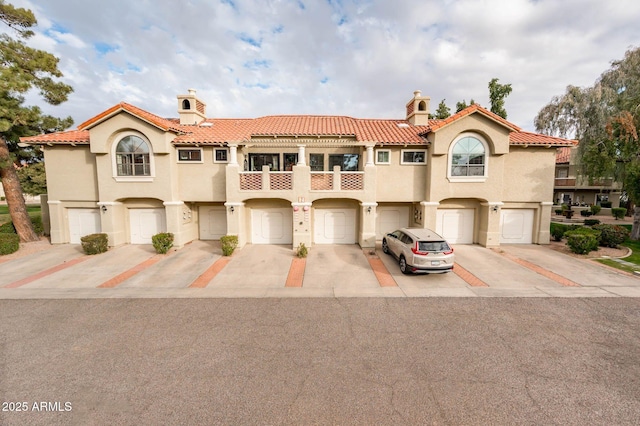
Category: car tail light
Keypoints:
(449, 252)
(416, 250)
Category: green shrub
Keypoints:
(36, 221)
(9, 243)
(618, 212)
(595, 209)
(605, 204)
(229, 244)
(611, 235)
(585, 213)
(302, 250)
(582, 240)
(558, 211)
(162, 242)
(558, 230)
(95, 243)
(591, 222)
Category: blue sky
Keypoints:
(361, 58)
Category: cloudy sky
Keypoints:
(361, 58)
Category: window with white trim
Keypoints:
(468, 158)
(220, 155)
(383, 156)
(132, 157)
(413, 156)
(190, 155)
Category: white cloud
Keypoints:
(360, 58)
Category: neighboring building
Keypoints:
(474, 177)
(571, 188)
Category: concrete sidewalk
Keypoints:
(134, 271)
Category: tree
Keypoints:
(33, 179)
(497, 93)
(605, 118)
(22, 69)
(463, 104)
(443, 110)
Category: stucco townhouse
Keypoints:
(473, 177)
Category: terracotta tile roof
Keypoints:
(475, 108)
(527, 138)
(162, 123)
(76, 137)
(563, 155)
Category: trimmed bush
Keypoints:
(558, 230)
(162, 242)
(229, 244)
(558, 212)
(611, 235)
(585, 213)
(95, 243)
(582, 240)
(591, 222)
(302, 250)
(618, 212)
(36, 221)
(595, 209)
(9, 243)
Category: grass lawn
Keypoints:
(633, 258)
(34, 210)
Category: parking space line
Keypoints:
(384, 277)
(205, 278)
(468, 277)
(540, 270)
(296, 272)
(47, 272)
(120, 278)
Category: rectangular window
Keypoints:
(190, 155)
(257, 161)
(220, 155)
(383, 156)
(290, 160)
(414, 157)
(347, 162)
(316, 161)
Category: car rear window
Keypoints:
(436, 246)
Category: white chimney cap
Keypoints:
(192, 92)
(417, 93)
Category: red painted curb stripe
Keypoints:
(47, 272)
(203, 280)
(468, 277)
(296, 272)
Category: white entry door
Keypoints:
(516, 226)
(334, 226)
(83, 222)
(272, 226)
(213, 222)
(391, 218)
(456, 225)
(145, 223)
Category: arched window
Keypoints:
(186, 104)
(132, 157)
(468, 158)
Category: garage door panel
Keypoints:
(335, 226)
(272, 226)
(391, 218)
(83, 222)
(145, 223)
(456, 225)
(213, 222)
(516, 226)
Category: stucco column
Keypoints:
(544, 231)
(429, 212)
(112, 222)
(489, 235)
(235, 222)
(367, 237)
(56, 220)
(302, 161)
(369, 156)
(301, 224)
(233, 154)
(173, 212)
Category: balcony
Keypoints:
(337, 181)
(263, 181)
(585, 184)
(318, 181)
(565, 182)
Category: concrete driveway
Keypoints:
(200, 270)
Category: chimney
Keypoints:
(191, 109)
(418, 109)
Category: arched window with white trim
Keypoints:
(468, 158)
(132, 157)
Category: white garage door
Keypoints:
(516, 226)
(334, 226)
(272, 226)
(145, 223)
(456, 225)
(83, 222)
(213, 222)
(391, 218)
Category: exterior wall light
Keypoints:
(103, 208)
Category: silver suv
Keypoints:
(419, 250)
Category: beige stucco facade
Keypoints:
(227, 190)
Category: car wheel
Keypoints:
(403, 265)
(385, 246)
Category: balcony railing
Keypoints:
(281, 181)
(584, 183)
(327, 181)
(251, 181)
(565, 182)
(255, 181)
